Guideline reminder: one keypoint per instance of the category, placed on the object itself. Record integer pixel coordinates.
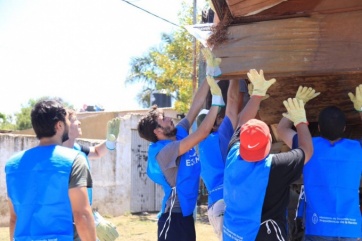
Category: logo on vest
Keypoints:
(192, 159)
(314, 218)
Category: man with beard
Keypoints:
(174, 164)
(47, 184)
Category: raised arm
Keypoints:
(198, 101)
(205, 128)
(232, 101)
(260, 87)
(296, 113)
(285, 131)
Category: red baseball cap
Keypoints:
(255, 140)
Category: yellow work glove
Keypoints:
(211, 6)
(260, 84)
(250, 91)
(296, 112)
(306, 94)
(212, 63)
(106, 231)
(216, 93)
(112, 132)
(357, 99)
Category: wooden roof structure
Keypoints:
(315, 43)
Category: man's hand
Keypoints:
(306, 94)
(357, 99)
(217, 99)
(296, 111)
(260, 84)
(106, 231)
(112, 132)
(212, 68)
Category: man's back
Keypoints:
(37, 184)
(331, 181)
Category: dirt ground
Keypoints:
(143, 227)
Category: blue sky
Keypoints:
(78, 50)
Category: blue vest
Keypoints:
(331, 182)
(37, 183)
(89, 189)
(188, 175)
(212, 167)
(245, 187)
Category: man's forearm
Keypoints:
(305, 140)
(85, 225)
(250, 110)
(198, 101)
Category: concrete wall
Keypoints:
(119, 178)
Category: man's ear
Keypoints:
(59, 125)
(157, 131)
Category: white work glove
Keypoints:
(357, 99)
(306, 94)
(112, 132)
(106, 231)
(296, 112)
(250, 91)
(259, 83)
(212, 63)
(216, 93)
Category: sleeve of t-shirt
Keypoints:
(167, 157)
(85, 149)
(80, 175)
(289, 165)
(295, 143)
(184, 123)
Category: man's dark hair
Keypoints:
(148, 124)
(44, 115)
(332, 123)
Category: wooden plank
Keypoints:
(321, 44)
(246, 7)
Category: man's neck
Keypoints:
(69, 143)
(47, 141)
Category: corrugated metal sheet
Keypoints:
(145, 195)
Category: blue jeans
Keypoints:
(325, 238)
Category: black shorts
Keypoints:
(181, 228)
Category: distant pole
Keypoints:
(194, 74)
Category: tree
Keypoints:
(23, 119)
(6, 122)
(167, 67)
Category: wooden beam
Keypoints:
(318, 45)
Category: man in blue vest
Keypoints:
(213, 151)
(106, 231)
(256, 183)
(331, 177)
(174, 164)
(47, 184)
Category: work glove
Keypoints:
(106, 231)
(212, 63)
(306, 94)
(296, 112)
(259, 83)
(216, 93)
(357, 99)
(250, 91)
(112, 132)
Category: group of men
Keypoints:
(248, 186)
(49, 185)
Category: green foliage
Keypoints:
(6, 122)
(168, 67)
(23, 119)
